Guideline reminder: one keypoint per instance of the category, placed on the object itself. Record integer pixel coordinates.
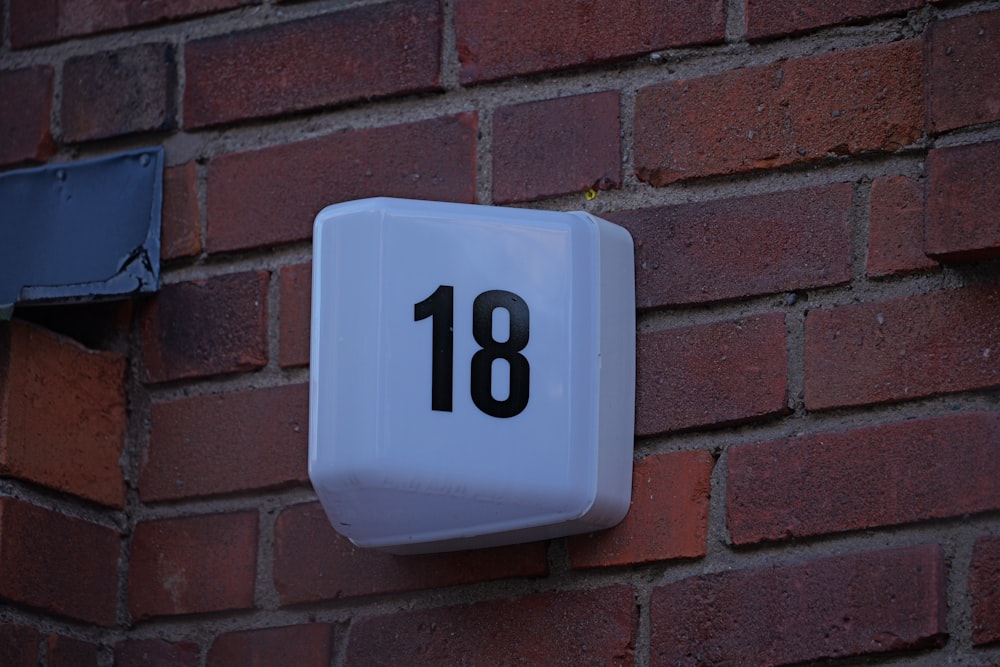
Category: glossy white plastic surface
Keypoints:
(392, 472)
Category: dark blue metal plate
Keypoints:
(81, 231)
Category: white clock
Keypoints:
(472, 378)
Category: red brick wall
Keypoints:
(812, 189)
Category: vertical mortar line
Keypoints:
(718, 542)
(484, 156)
(137, 439)
(265, 593)
(643, 596)
(735, 21)
(201, 192)
(557, 554)
(5, 16)
(860, 215)
(795, 346)
(273, 323)
(449, 66)
(180, 79)
(626, 128)
(958, 560)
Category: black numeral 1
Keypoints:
(439, 306)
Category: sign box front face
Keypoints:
(472, 373)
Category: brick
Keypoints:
(774, 18)
(63, 415)
(885, 475)
(962, 200)
(381, 50)
(69, 652)
(713, 251)
(25, 115)
(112, 93)
(903, 348)
(313, 563)
(501, 38)
(227, 443)
(556, 147)
(291, 646)
(796, 111)
(272, 195)
(156, 653)
(206, 327)
(181, 219)
(896, 227)
(18, 645)
(984, 585)
(193, 565)
(852, 605)
(962, 62)
(58, 564)
(589, 627)
(295, 293)
(711, 374)
(33, 23)
(668, 517)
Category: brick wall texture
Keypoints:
(814, 193)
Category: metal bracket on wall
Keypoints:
(81, 231)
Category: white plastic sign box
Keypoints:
(472, 378)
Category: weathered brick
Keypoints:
(711, 374)
(896, 227)
(193, 565)
(313, 563)
(58, 564)
(289, 646)
(62, 414)
(156, 653)
(205, 327)
(33, 22)
(556, 147)
(69, 652)
(362, 53)
(272, 195)
(502, 38)
(25, 115)
(963, 56)
(773, 18)
(181, 219)
(856, 604)
(295, 293)
(984, 585)
(903, 348)
(18, 645)
(802, 110)
(962, 203)
(668, 517)
(883, 475)
(589, 627)
(712, 251)
(225, 443)
(119, 92)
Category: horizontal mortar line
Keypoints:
(947, 532)
(46, 624)
(968, 135)
(812, 299)
(254, 134)
(64, 503)
(273, 499)
(831, 171)
(817, 422)
(239, 261)
(267, 378)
